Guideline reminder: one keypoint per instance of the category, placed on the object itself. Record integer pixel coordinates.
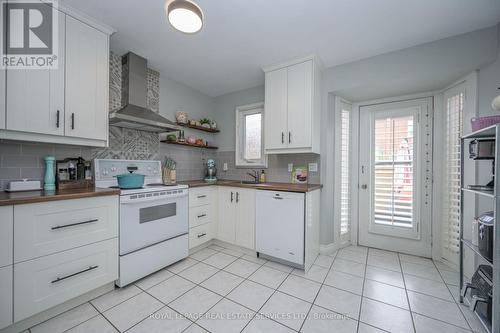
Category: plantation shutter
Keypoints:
(345, 165)
(451, 215)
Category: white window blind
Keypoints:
(394, 171)
(345, 165)
(451, 214)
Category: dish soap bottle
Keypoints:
(262, 178)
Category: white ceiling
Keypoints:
(240, 37)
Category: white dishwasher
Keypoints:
(279, 228)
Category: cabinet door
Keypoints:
(6, 235)
(86, 81)
(245, 221)
(35, 97)
(227, 214)
(275, 113)
(300, 92)
(2, 98)
(5, 296)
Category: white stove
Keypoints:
(153, 219)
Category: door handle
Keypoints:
(57, 118)
(364, 187)
(289, 137)
(237, 196)
(232, 196)
(72, 121)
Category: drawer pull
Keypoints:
(73, 224)
(278, 198)
(201, 235)
(202, 215)
(59, 279)
(201, 196)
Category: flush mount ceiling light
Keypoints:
(184, 15)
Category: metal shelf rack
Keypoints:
(492, 132)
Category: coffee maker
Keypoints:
(211, 171)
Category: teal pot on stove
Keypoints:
(130, 180)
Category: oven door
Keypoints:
(148, 222)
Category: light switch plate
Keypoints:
(313, 167)
(224, 167)
(290, 167)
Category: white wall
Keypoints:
(225, 106)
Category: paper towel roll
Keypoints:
(495, 104)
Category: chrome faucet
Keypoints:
(254, 175)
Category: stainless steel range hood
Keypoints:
(135, 114)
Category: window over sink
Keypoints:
(250, 136)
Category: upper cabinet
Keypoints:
(68, 104)
(292, 107)
(87, 53)
(2, 99)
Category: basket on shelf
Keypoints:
(479, 123)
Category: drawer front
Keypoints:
(200, 234)
(48, 281)
(47, 228)
(5, 296)
(199, 215)
(6, 234)
(200, 196)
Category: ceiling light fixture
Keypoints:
(184, 15)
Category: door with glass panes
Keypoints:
(394, 176)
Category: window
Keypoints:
(394, 169)
(249, 136)
(451, 215)
(345, 192)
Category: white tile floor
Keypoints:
(224, 290)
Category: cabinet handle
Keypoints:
(289, 137)
(201, 235)
(57, 118)
(201, 196)
(202, 215)
(73, 224)
(72, 121)
(59, 279)
(237, 196)
(232, 196)
(278, 198)
(282, 137)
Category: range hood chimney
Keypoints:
(135, 114)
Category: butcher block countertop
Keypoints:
(27, 197)
(286, 187)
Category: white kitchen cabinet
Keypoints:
(87, 53)
(275, 116)
(43, 111)
(51, 280)
(227, 214)
(41, 229)
(292, 107)
(245, 218)
(5, 296)
(6, 235)
(236, 223)
(2, 98)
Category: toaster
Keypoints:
(482, 149)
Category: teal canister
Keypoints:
(50, 179)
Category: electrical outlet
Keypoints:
(290, 167)
(224, 167)
(313, 167)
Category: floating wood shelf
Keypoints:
(189, 144)
(200, 128)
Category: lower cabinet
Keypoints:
(5, 296)
(51, 280)
(236, 223)
(200, 234)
